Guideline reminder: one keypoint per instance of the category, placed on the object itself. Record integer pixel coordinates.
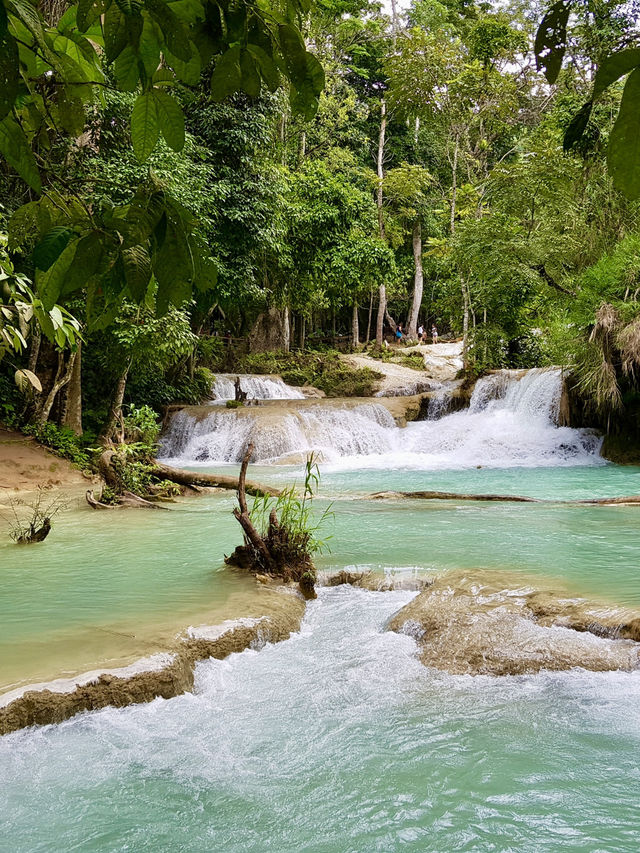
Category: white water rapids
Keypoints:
(256, 388)
(511, 421)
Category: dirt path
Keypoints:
(25, 465)
(442, 362)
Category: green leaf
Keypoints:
(126, 71)
(613, 67)
(577, 126)
(188, 72)
(70, 108)
(170, 119)
(130, 8)
(623, 155)
(89, 11)
(137, 271)
(9, 69)
(173, 30)
(227, 75)
(267, 66)
(149, 47)
(49, 283)
(250, 76)
(116, 29)
(17, 152)
(551, 40)
(144, 126)
(90, 258)
(49, 249)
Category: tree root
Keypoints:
(221, 481)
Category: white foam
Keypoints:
(256, 387)
(511, 422)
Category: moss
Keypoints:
(325, 371)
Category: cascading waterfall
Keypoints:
(256, 388)
(280, 434)
(511, 422)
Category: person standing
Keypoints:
(420, 332)
(434, 334)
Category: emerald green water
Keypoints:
(338, 739)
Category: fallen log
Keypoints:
(630, 500)
(221, 481)
(128, 499)
(452, 496)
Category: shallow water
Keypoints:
(337, 740)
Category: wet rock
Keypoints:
(495, 623)
(372, 581)
(165, 675)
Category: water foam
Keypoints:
(511, 422)
(256, 388)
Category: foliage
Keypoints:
(296, 537)
(30, 521)
(325, 371)
(62, 441)
(552, 42)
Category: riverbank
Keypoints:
(26, 466)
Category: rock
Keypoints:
(166, 675)
(372, 581)
(496, 623)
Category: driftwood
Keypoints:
(222, 481)
(631, 500)
(280, 551)
(128, 499)
(35, 534)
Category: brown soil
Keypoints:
(25, 465)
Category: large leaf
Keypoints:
(613, 67)
(9, 69)
(623, 156)
(49, 249)
(130, 8)
(89, 11)
(137, 271)
(145, 128)
(126, 71)
(17, 152)
(173, 30)
(551, 40)
(227, 75)
(577, 126)
(188, 72)
(25, 378)
(117, 30)
(267, 66)
(170, 119)
(49, 284)
(250, 75)
(91, 258)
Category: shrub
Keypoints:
(62, 441)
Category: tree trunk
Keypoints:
(302, 332)
(286, 341)
(302, 147)
(418, 281)
(382, 293)
(368, 338)
(72, 412)
(199, 478)
(34, 351)
(465, 323)
(62, 377)
(116, 405)
(333, 326)
(382, 307)
(355, 329)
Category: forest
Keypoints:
(185, 186)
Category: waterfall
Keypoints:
(511, 422)
(257, 388)
(279, 434)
